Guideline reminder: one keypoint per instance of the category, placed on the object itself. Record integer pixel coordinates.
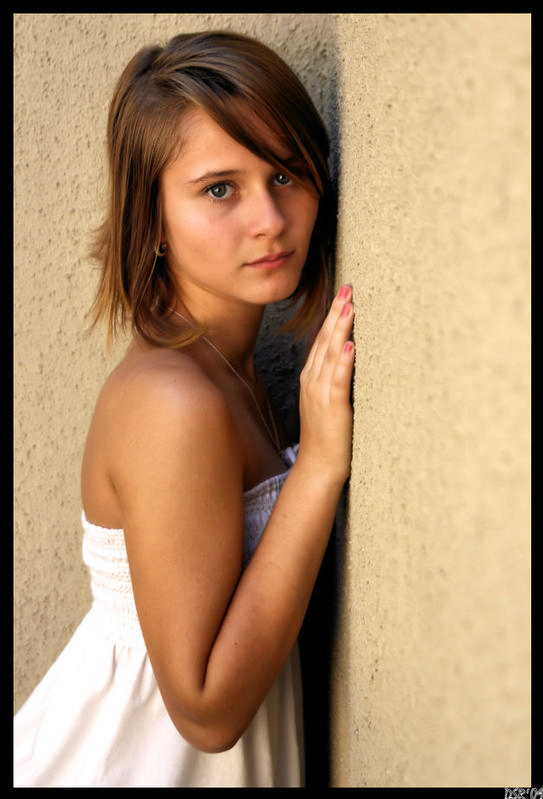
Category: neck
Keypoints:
(232, 327)
(232, 330)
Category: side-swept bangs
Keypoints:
(257, 99)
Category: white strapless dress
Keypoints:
(97, 718)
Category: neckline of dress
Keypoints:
(247, 495)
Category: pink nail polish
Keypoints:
(344, 290)
(348, 347)
(346, 308)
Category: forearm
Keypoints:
(267, 609)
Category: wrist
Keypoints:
(320, 472)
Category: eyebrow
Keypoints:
(207, 176)
(289, 163)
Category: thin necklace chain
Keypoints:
(274, 437)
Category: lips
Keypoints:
(272, 260)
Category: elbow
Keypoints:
(208, 732)
(209, 726)
(210, 739)
(214, 742)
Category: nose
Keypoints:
(266, 216)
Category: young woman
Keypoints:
(204, 530)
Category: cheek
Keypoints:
(308, 215)
(314, 215)
(309, 209)
(190, 231)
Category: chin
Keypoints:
(279, 288)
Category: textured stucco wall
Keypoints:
(432, 669)
(429, 115)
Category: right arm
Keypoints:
(218, 637)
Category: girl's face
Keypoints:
(235, 227)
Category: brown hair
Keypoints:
(222, 73)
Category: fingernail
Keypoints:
(346, 309)
(348, 347)
(343, 292)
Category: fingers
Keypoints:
(326, 413)
(329, 345)
(338, 336)
(340, 380)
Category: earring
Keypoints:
(160, 251)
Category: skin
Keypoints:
(175, 440)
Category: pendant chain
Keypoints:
(273, 435)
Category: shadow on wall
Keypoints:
(279, 360)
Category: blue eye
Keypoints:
(219, 191)
(281, 179)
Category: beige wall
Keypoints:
(432, 657)
(429, 114)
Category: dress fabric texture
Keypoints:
(97, 718)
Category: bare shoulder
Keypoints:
(157, 414)
(161, 374)
(161, 387)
